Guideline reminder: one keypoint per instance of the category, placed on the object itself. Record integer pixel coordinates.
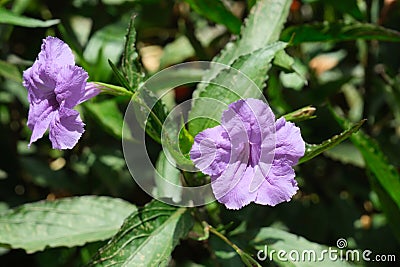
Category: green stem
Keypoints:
(224, 238)
(246, 258)
(114, 89)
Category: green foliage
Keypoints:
(66, 222)
(167, 176)
(230, 85)
(342, 52)
(9, 17)
(385, 179)
(130, 61)
(108, 115)
(337, 32)
(10, 71)
(147, 237)
(216, 11)
(314, 150)
(150, 112)
(347, 7)
(242, 54)
(105, 44)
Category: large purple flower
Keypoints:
(55, 86)
(249, 157)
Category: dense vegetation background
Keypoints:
(350, 62)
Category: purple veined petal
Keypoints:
(236, 120)
(66, 129)
(91, 90)
(289, 143)
(279, 186)
(70, 87)
(55, 53)
(39, 84)
(211, 151)
(253, 121)
(231, 188)
(39, 119)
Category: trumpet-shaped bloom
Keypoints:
(250, 156)
(55, 86)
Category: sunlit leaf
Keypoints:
(168, 176)
(230, 85)
(64, 222)
(9, 17)
(147, 237)
(254, 35)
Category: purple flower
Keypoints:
(249, 157)
(55, 86)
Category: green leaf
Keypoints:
(230, 85)
(256, 40)
(8, 17)
(338, 31)
(186, 140)
(216, 11)
(347, 6)
(314, 150)
(346, 153)
(177, 143)
(293, 76)
(64, 222)
(150, 113)
(108, 115)
(167, 173)
(121, 78)
(376, 162)
(131, 66)
(270, 239)
(262, 27)
(147, 237)
(176, 52)
(105, 44)
(10, 71)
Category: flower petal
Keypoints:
(290, 146)
(91, 90)
(252, 121)
(232, 188)
(39, 83)
(70, 87)
(211, 151)
(279, 186)
(39, 118)
(41, 78)
(56, 53)
(66, 129)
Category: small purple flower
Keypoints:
(249, 157)
(55, 86)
